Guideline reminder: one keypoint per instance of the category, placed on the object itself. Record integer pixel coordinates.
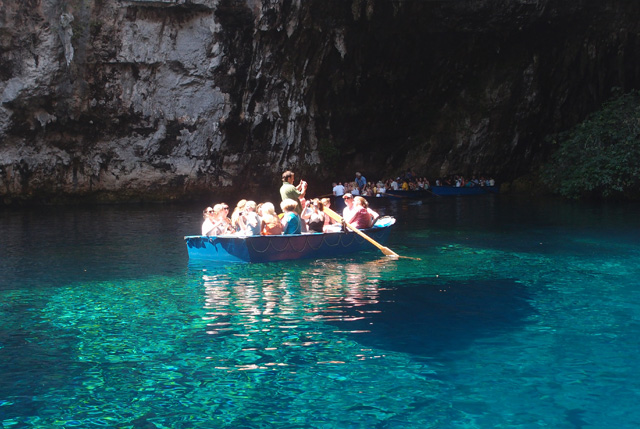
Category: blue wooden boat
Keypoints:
(414, 195)
(463, 190)
(271, 248)
(442, 191)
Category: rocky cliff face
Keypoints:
(165, 99)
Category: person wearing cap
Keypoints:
(348, 211)
(289, 191)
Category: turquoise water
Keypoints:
(521, 314)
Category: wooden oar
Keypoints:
(335, 216)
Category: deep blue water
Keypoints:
(520, 314)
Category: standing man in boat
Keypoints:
(289, 191)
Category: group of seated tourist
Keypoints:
(406, 182)
(249, 218)
(459, 181)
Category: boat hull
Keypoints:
(415, 195)
(463, 190)
(442, 191)
(272, 248)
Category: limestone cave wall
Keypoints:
(179, 99)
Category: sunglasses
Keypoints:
(209, 211)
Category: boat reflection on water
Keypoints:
(264, 311)
(318, 292)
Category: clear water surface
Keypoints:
(521, 314)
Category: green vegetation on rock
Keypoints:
(600, 157)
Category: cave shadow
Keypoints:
(427, 318)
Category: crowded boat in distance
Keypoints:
(409, 184)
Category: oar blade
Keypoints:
(389, 252)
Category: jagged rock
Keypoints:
(165, 99)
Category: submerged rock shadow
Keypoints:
(428, 318)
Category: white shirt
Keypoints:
(338, 190)
(347, 213)
(207, 226)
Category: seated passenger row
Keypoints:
(249, 218)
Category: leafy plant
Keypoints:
(600, 157)
(329, 152)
